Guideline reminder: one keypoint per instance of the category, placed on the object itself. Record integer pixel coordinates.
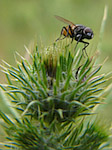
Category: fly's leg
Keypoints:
(79, 39)
(77, 72)
(70, 34)
(64, 28)
(84, 48)
(67, 33)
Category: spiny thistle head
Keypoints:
(55, 89)
(60, 84)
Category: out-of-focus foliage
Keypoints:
(24, 21)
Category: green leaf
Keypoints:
(71, 96)
(58, 74)
(94, 72)
(98, 83)
(25, 68)
(6, 119)
(30, 104)
(95, 80)
(18, 78)
(85, 92)
(83, 76)
(78, 61)
(31, 91)
(54, 88)
(60, 112)
(18, 91)
(67, 83)
(8, 79)
(63, 63)
(78, 103)
(11, 95)
(84, 67)
(69, 63)
(25, 80)
(44, 74)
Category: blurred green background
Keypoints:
(25, 22)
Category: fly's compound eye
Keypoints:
(88, 33)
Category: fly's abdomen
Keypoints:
(67, 32)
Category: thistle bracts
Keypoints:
(61, 88)
(26, 135)
(56, 88)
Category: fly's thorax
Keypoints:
(79, 29)
(78, 32)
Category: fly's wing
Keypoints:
(65, 20)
